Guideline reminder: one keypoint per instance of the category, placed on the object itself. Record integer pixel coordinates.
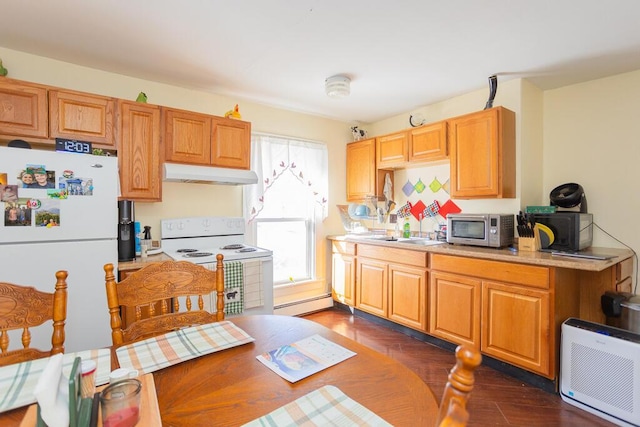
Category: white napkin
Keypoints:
(52, 394)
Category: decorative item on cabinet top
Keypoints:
(234, 113)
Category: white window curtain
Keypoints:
(292, 181)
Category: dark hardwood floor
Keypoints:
(497, 399)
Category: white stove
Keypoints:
(200, 239)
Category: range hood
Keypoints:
(174, 172)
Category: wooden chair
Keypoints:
(159, 288)
(25, 307)
(453, 406)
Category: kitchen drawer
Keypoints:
(393, 255)
(344, 248)
(624, 269)
(527, 275)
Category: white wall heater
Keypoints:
(600, 370)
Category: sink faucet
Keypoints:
(420, 218)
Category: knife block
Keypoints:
(530, 244)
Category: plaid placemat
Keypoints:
(233, 288)
(169, 349)
(17, 381)
(327, 406)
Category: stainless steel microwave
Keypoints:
(490, 230)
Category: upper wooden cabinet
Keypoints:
(82, 116)
(361, 169)
(363, 178)
(428, 142)
(231, 143)
(483, 154)
(23, 109)
(187, 137)
(139, 151)
(201, 139)
(391, 150)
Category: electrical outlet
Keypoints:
(393, 218)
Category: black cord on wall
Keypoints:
(635, 255)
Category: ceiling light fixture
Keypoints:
(337, 86)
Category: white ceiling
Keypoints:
(399, 54)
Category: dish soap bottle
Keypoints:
(407, 229)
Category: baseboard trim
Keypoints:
(298, 308)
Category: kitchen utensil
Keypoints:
(546, 235)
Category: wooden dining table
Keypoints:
(231, 387)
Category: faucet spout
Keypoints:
(420, 218)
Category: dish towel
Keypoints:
(233, 288)
(179, 346)
(327, 406)
(18, 381)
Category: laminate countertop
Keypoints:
(545, 259)
(139, 262)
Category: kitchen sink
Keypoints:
(420, 241)
(412, 240)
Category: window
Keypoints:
(286, 205)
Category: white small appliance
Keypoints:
(78, 201)
(600, 370)
(200, 239)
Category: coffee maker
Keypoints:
(126, 231)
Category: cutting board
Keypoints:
(149, 411)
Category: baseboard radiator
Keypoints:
(600, 370)
(297, 308)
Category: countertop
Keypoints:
(504, 254)
(138, 263)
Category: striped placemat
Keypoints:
(169, 349)
(18, 381)
(327, 406)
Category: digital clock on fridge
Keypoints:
(73, 146)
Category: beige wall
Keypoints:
(586, 133)
(592, 137)
(180, 199)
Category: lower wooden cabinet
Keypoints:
(516, 326)
(392, 283)
(455, 308)
(343, 273)
(408, 296)
(371, 286)
(512, 312)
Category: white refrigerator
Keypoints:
(60, 213)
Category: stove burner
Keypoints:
(185, 251)
(246, 250)
(197, 254)
(234, 246)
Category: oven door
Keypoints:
(252, 293)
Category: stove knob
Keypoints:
(180, 225)
(169, 226)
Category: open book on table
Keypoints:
(302, 358)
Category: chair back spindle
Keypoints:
(453, 406)
(23, 308)
(154, 293)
